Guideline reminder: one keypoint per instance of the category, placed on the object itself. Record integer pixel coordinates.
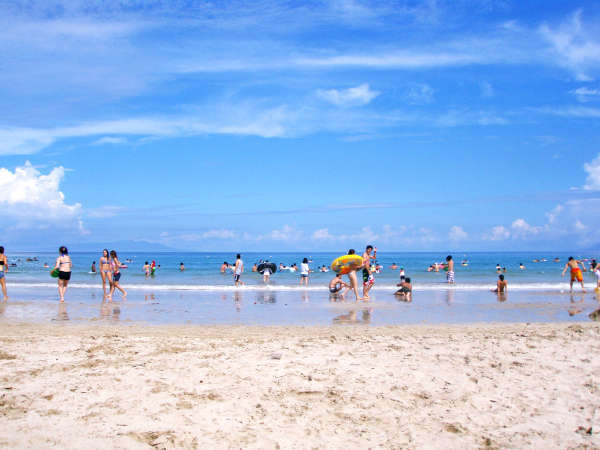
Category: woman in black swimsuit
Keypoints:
(64, 266)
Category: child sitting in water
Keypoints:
(405, 291)
(336, 285)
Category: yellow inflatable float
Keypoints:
(346, 263)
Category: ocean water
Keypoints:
(203, 295)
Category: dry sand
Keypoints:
(300, 387)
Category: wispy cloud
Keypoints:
(585, 94)
(354, 96)
(419, 94)
(576, 47)
(112, 140)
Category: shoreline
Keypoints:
(477, 385)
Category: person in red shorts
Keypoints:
(573, 265)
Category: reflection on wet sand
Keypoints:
(450, 296)
(110, 310)
(351, 317)
(501, 296)
(576, 306)
(266, 297)
(237, 300)
(3, 307)
(150, 297)
(305, 297)
(62, 314)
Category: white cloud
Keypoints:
(354, 96)
(592, 182)
(114, 140)
(457, 234)
(322, 234)
(284, 234)
(32, 199)
(576, 47)
(583, 112)
(521, 229)
(219, 234)
(585, 94)
(498, 233)
(420, 94)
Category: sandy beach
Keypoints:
(515, 386)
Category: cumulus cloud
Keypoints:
(284, 234)
(520, 229)
(457, 234)
(354, 96)
(498, 233)
(592, 168)
(33, 199)
(322, 234)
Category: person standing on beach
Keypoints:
(116, 275)
(146, 269)
(304, 270)
(266, 273)
(449, 266)
(353, 279)
(238, 270)
(64, 266)
(3, 270)
(573, 265)
(367, 272)
(105, 270)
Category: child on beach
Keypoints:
(405, 291)
(336, 285)
(367, 272)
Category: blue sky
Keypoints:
(301, 125)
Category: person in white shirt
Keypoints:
(304, 270)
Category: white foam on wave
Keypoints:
(272, 287)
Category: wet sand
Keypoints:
(515, 385)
